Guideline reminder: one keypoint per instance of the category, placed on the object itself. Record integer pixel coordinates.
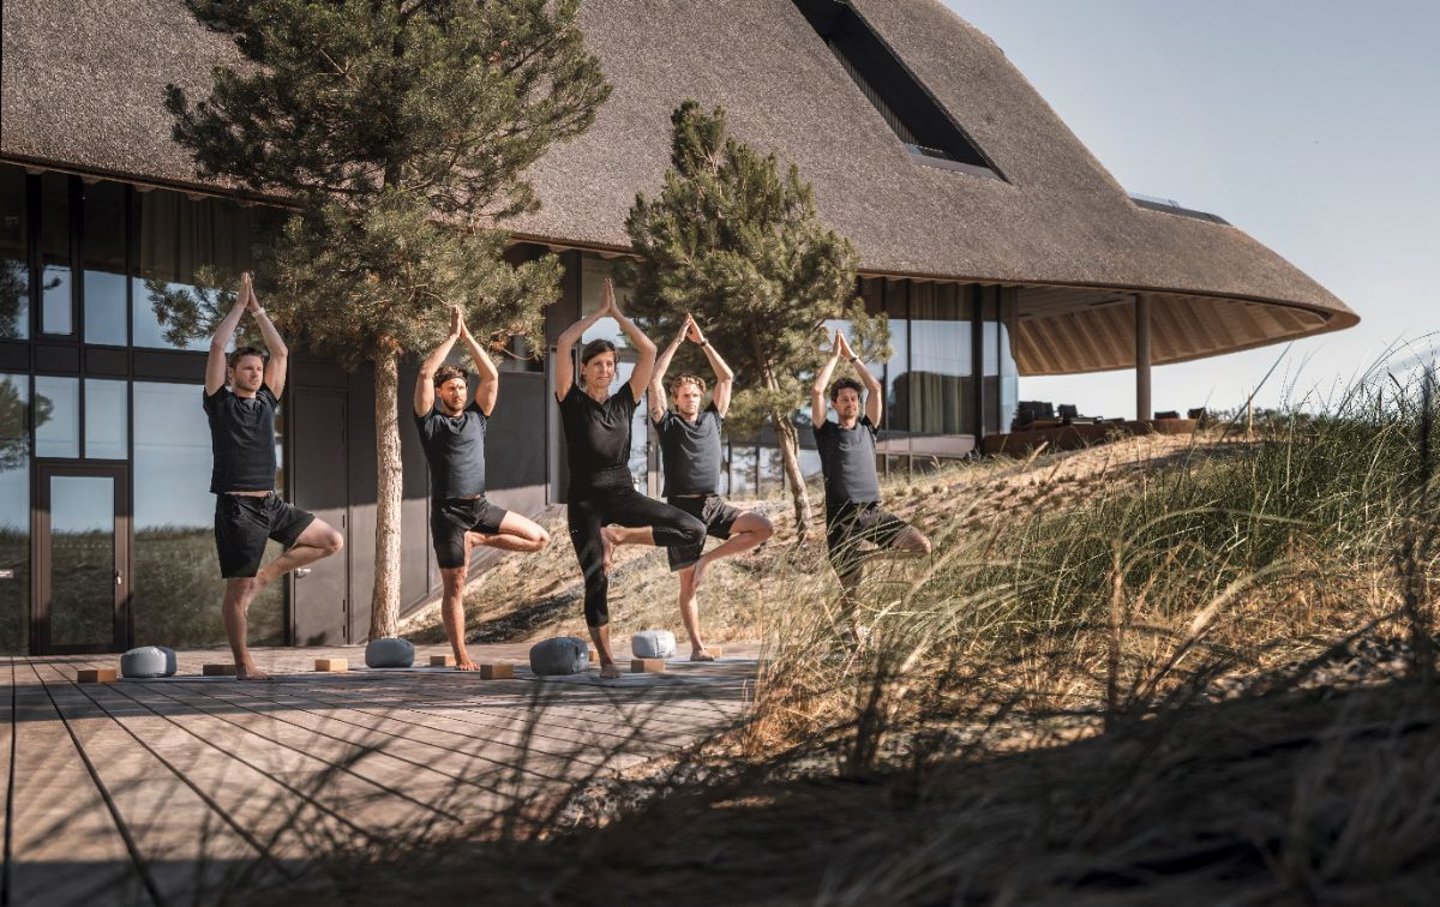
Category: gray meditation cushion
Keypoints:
(389, 652)
(653, 644)
(559, 655)
(148, 661)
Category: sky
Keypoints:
(1314, 127)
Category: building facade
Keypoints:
(992, 241)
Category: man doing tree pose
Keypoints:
(690, 452)
(604, 508)
(847, 460)
(452, 431)
(247, 509)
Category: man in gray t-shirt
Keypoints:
(853, 516)
(690, 455)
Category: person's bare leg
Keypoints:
(517, 533)
(239, 592)
(749, 531)
(601, 636)
(690, 615)
(452, 613)
(612, 537)
(319, 539)
(850, 603)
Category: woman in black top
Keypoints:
(604, 508)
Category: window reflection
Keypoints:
(56, 312)
(14, 512)
(175, 238)
(58, 435)
(107, 420)
(933, 389)
(177, 587)
(104, 264)
(82, 560)
(14, 272)
(742, 470)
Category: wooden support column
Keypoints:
(1143, 408)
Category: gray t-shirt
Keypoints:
(847, 460)
(690, 452)
(455, 447)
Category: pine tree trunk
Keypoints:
(385, 600)
(789, 440)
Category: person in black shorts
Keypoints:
(853, 516)
(452, 431)
(247, 509)
(604, 509)
(690, 453)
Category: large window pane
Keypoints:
(107, 420)
(14, 512)
(940, 360)
(14, 270)
(57, 416)
(82, 560)
(104, 262)
(176, 237)
(897, 385)
(56, 285)
(177, 585)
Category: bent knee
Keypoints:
(765, 529)
(916, 541)
(336, 543)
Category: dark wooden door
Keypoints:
(321, 600)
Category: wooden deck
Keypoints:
(169, 791)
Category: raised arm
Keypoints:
(277, 367)
(644, 346)
(658, 400)
(724, 377)
(565, 344)
(215, 364)
(874, 393)
(487, 380)
(822, 381)
(425, 381)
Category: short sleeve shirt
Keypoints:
(597, 436)
(455, 448)
(690, 451)
(847, 460)
(242, 440)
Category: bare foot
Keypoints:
(700, 566)
(463, 663)
(607, 548)
(701, 655)
(610, 671)
(249, 672)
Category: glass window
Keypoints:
(1009, 380)
(177, 587)
(56, 302)
(897, 384)
(14, 512)
(57, 416)
(107, 420)
(940, 360)
(104, 262)
(175, 238)
(742, 471)
(772, 470)
(82, 560)
(14, 268)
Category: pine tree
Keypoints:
(739, 245)
(399, 129)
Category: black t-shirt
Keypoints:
(455, 447)
(242, 440)
(597, 437)
(847, 459)
(690, 452)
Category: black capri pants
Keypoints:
(621, 507)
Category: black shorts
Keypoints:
(242, 524)
(451, 518)
(719, 518)
(853, 524)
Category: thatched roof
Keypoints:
(82, 87)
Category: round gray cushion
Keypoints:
(148, 661)
(653, 644)
(559, 655)
(389, 652)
